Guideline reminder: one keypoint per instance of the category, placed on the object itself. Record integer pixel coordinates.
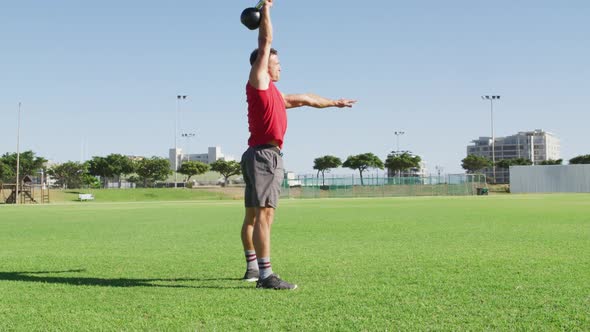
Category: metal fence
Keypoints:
(352, 186)
(550, 179)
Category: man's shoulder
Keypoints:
(251, 88)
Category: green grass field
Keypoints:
(136, 195)
(510, 262)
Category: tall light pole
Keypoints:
(178, 99)
(439, 169)
(17, 156)
(398, 152)
(188, 136)
(397, 135)
(491, 98)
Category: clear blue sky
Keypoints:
(105, 75)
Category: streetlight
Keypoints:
(439, 169)
(178, 99)
(397, 152)
(491, 98)
(17, 196)
(188, 136)
(397, 135)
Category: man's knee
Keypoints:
(265, 215)
(250, 216)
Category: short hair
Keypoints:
(254, 55)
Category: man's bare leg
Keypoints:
(249, 251)
(261, 237)
(248, 228)
(256, 242)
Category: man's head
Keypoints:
(274, 66)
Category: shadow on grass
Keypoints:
(39, 276)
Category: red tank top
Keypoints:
(267, 115)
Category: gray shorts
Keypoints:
(262, 167)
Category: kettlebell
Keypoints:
(251, 16)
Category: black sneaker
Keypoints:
(251, 276)
(274, 282)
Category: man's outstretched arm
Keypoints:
(311, 100)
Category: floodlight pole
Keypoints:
(439, 169)
(491, 99)
(17, 196)
(188, 136)
(397, 135)
(176, 140)
(178, 98)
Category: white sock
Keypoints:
(251, 263)
(264, 267)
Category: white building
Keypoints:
(536, 146)
(213, 154)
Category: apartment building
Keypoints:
(536, 145)
(213, 154)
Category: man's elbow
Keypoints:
(308, 101)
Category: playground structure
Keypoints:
(28, 192)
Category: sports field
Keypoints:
(511, 262)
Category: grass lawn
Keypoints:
(509, 262)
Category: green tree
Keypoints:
(398, 162)
(521, 162)
(99, 166)
(5, 172)
(226, 169)
(119, 166)
(29, 164)
(362, 162)
(134, 178)
(192, 168)
(70, 174)
(153, 169)
(324, 164)
(551, 162)
(473, 163)
(506, 163)
(583, 159)
(89, 180)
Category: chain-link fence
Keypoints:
(353, 186)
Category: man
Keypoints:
(262, 164)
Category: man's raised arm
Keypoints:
(259, 77)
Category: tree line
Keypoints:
(98, 171)
(146, 172)
(473, 163)
(395, 162)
